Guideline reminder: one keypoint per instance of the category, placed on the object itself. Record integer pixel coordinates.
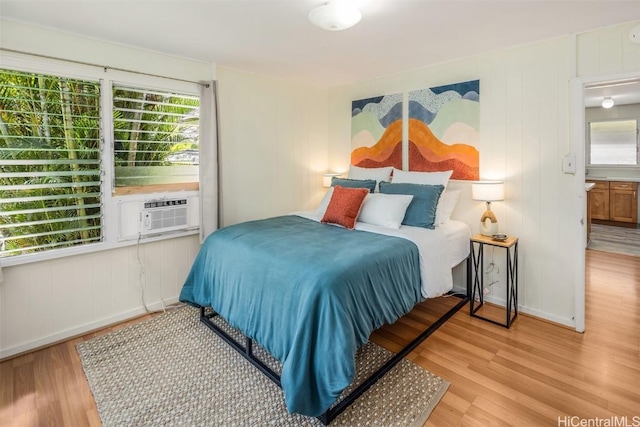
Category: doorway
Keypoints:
(578, 146)
(612, 164)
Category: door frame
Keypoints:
(578, 135)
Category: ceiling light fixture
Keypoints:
(335, 16)
(607, 102)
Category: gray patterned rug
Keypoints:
(172, 370)
(620, 240)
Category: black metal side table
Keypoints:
(475, 270)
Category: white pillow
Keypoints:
(379, 174)
(428, 178)
(322, 207)
(385, 210)
(446, 205)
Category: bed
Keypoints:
(331, 288)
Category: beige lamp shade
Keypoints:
(326, 179)
(487, 191)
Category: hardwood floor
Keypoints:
(532, 374)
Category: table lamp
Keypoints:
(326, 179)
(488, 191)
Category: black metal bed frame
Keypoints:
(246, 351)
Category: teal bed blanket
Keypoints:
(310, 293)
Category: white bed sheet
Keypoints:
(458, 234)
(440, 250)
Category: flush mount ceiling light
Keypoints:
(335, 16)
(607, 103)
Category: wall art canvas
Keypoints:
(444, 129)
(376, 132)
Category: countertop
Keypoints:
(611, 178)
(589, 185)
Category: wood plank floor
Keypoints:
(532, 374)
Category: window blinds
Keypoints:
(50, 169)
(614, 142)
(155, 136)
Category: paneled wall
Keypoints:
(273, 145)
(47, 301)
(525, 132)
(277, 139)
(607, 52)
(524, 126)
(273, 152)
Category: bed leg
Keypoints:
(248, 346)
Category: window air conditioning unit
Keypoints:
(159, 216)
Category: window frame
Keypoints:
(60, 68)
(93, 188)
(142, 189)
(612, 166)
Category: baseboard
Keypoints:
(83, 329)
(560, 321)
(615, 223)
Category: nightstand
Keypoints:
(475, 275)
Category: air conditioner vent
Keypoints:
(160, 216)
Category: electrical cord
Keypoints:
(491, 269)
(142, 282)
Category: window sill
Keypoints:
(87, 249)
(159, 188)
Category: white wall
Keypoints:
(46, 301)
(525, 128)
(273, 145)
(524, 108)
(273, 152)
(607, 51)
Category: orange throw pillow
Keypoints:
(344, 206)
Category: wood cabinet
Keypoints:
(599, 203)
(623, 201)
(615, 201)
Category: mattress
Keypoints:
(451, 239)
(457, 235)
(309, 293)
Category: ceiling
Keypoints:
(274, 37)
(621, 91)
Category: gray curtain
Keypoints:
(208, 159)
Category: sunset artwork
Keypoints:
(376, 132)
(444, 125)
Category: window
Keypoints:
(155, 137)
(50, 162)
(84, 148)
(613, 142)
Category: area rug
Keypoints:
(172, 370)
(620, 240)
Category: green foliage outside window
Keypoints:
(50, 194)
(50, 154)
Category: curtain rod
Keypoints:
(105, 67)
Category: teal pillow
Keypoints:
(369, 184)
(422, 209)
